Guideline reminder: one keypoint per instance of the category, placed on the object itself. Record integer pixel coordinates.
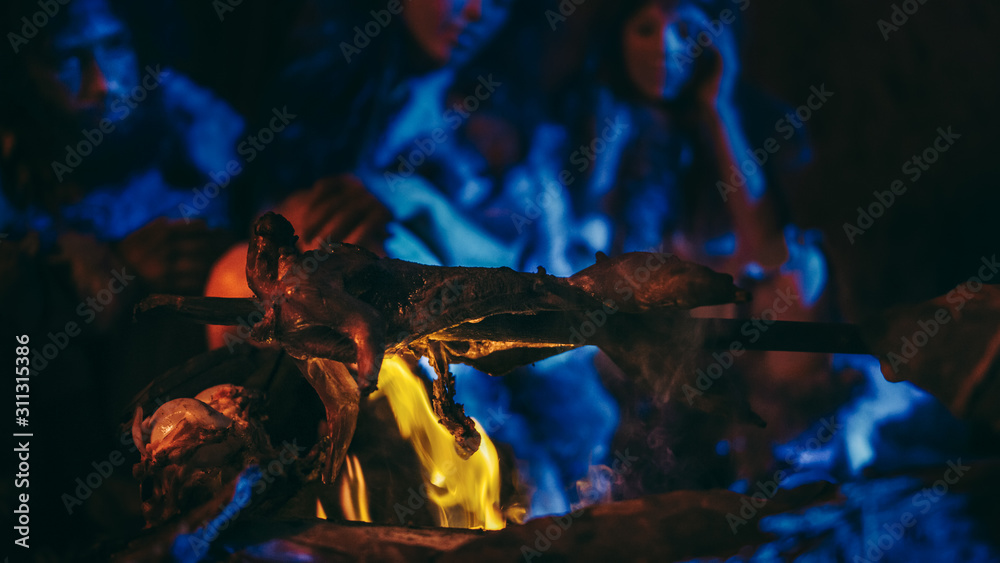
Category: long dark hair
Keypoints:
(693, 202)
(610, 56)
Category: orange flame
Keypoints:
(320, 513)
(353, 492)
(465, 493)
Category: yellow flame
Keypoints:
(353, 492)
(320, 513)
(465, 493)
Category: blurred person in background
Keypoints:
(98, 144)
(672, 170)
(400, 163)
(366, 85)
(99, 148)
(662, 129)
(354, 68)
(101, 152)
(622, 155)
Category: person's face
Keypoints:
(436, 24)
(644, 46)
(478, 33)
(91, 65)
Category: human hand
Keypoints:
(337, 209)
(171, 256)
(708, 80)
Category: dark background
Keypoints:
(890, 97)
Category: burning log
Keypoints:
(674, 526)
(340, 310)
(667, 527)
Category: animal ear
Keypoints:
(273, 237)
(600, 257)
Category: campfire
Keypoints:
(464, 493)
(379, 459)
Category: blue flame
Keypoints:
(194, 547)
(558, 418)
(889, 519)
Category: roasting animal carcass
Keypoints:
(345, 304)
(341, 305)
